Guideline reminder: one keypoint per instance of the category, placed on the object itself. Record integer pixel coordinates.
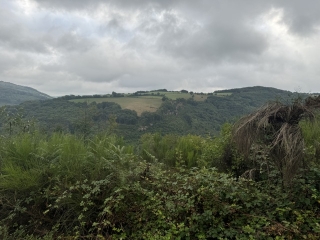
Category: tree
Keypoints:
(127, 116)
(112, 124)
(164, 98)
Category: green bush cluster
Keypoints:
(189, 150)
(169, 187)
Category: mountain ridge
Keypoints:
(14, 94)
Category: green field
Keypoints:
(222, 94)
(143, 103)
(176, 95)
(138, 104)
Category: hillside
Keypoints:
(140, 101)
(180, 116)
(12, 94)
(65, 186)
(150, 101)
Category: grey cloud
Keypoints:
(223, 34)
(7, 60)
(70, 42)
(67, 4)
(95, 65)
(83, 4)
(13, 34)
(20, 40)
(212, 41)
(157, 44)
(20, 36)
(302, 17)
(220, 43)
(115, 29)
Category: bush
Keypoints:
(64, 187)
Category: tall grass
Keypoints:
(311, 135)
(63, 185)
(44, 177)
(21, 168)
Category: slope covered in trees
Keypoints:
(180, 116)
(11, 94)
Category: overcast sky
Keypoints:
(65, 47)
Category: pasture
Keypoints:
(176, 95)
(138, 104)
(146, 102)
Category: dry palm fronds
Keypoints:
(276, 126)
(287, 150)
(313, 102)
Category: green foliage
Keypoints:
(59, 186)
(173, 150)
(311, 134)
(14, 122)
(180, 114)
(220, 152)
(193, 151)
(154, 146)
(37, 172)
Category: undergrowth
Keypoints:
(66, 187)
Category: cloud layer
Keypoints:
(84, 47)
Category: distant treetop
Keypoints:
(159, 90)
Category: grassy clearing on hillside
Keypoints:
(143, 103)
(175, 95)
(139, 105)
(199, 97)
(222, 94)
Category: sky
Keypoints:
(63, 47)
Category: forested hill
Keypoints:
(257, 89)
(253, 97)
(180, 116)
(11, 94)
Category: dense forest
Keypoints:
(257, 179)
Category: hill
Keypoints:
(12, 94)
(180, 116)
(150, 101)
(140, 101)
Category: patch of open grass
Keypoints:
(144, 102)
(138, 104)
(199, 97)
(223, 94)
(176, 95)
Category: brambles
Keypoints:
(170, 187)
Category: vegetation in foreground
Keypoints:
(169, 187)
